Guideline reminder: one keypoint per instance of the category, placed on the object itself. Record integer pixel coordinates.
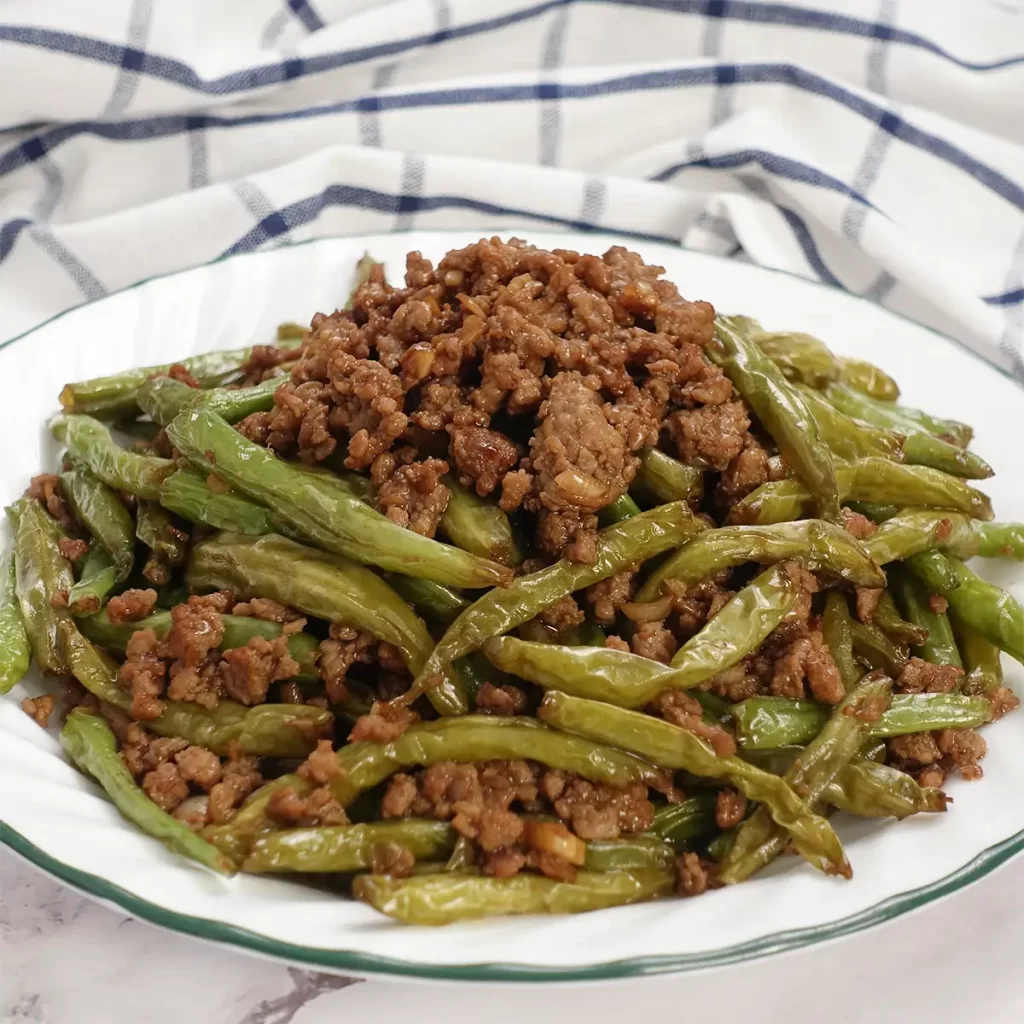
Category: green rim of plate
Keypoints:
(363, 963)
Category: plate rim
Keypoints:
(237, 937)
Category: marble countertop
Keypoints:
(67, 960)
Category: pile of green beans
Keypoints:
(463, 613)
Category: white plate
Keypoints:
(57, 819)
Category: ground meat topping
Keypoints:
(868, 599)
(608, 596)
(696, 876)
(679, 708)
(730, 807)
(655, 642)
(131, 606)
(482, 456)
(39, 708)
(965, 748)
(1003, 701)
(562, 615)
(72, 549)
(386, 722)
(920, 676)
(266, 609)
(46, 488)
(915, 749)
(711, 434)
(247, 672)
(858, 525)
(318, 807)
(500, 700)
(391, 858)
(410, 493)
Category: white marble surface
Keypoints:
(67, 960)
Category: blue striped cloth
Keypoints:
(876, 145)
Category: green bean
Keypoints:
(661, 478)
(994, 613)
(186, 492)
(162, 398)
(837, 629)
(888, 619)
(682, 823)
(873, 510)
(863, 787)
(764, 723)
(760, 839)
(875, 648)
(801, 357)
(919, 447)
(317, 583)
(100, 509)
(329, 515)
(502, 609)
(782, 412)
(272, 730)
(478, 526)
(868, 378)
(952, 431)
(238, 631)
(995, 540)
(96, 580)
(628, 680)
(15, 653)
(42, 582)
(873, 480)
(90, 444)
(473, 671)
(118, 395)
(939, 646)
(439, 602)
(820, 546)
(624, 507)
(981, 659)
(445, 898)
(913, 531)
(635, 853)
(849, 438)
(871, 790)
(167, 544)
(347, 847)
(679, 750)
(89, 742)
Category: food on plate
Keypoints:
(526, 586)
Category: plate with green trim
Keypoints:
(60, 821)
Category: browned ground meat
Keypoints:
(484, 803)
(410, 493)
(589, 355)
(965, 748)
(500, 700)
(696, 876)
(1003, 701)
(247, 672)
(344, 648)
(654, 641)
(868, 599)
(938, 604)
(391, 858)
(730, 807)
(72, 549)
(46, 488)
(39, 708)
(131, 606)
(915, 749)
(859, 525)
(321, 765)
(608, 596)
(694, 606)
(180, 373)
(712, 434)
(482, 456)
(263, 362)
(679, 708)
(386, 722)
(920, 676)
(165, 786)
(317, 807)
(746, 472)
(562, 615)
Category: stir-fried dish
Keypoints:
(526, 586)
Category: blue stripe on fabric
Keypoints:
(804, 238)
(1010, 298)
(270, 74)
(305, 210)
(773, 163)
(746, 74)
(305, 13)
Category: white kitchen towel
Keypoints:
(875, 145)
